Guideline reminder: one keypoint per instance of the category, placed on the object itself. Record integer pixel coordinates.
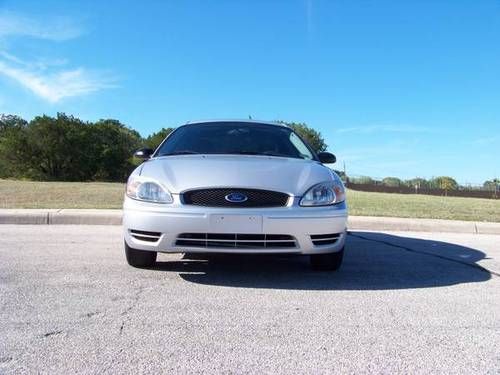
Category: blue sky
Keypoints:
(397, 88)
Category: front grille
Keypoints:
(324, 239)
(217, 198)
(236, 240)
(142, 235)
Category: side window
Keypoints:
(300, 146)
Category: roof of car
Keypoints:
(235, 120)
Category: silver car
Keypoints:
(235, 187)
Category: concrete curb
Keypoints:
(62, 216)
(19, 216)
(114, 217)
(86, 217)
(421, 225)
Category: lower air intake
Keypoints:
(142, 235)
(236, 240)
(324, 239)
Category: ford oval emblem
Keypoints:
(236, 197)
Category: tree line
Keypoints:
(445, 183)
(65, 148)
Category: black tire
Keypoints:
(327, 262)
(140, 258)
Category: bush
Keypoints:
(364, 180)
(392, 182)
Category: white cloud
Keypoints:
(49, 28)
(370, 129)
(39, 63)
(47, 78)
(55, 86)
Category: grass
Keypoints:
(30, 194)
(34, 194)
(423, 206)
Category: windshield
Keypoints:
(237, 138)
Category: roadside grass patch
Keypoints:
(34, 194)
(423, 206)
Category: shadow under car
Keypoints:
(372, 261)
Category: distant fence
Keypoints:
(408, 190)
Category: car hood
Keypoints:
(186, 172)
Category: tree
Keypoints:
(417, 183)
(8, 122)
(114, 147)
(492, 185)
(67, 149)
(60, 148)
(362, 180)
(311, 136)
(154, 140)
(12, 145)
(444, 183)
(392, 182)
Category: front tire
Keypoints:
(327, 262)
(139, 258)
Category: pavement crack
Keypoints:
(6, 359)
(128, 309)
(52, 333)
(471, 265)
(91, 314)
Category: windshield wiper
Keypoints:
(183, 152)
(247, 153)
(264, 153)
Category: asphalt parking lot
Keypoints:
(402, 302)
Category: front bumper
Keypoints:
(172, 220)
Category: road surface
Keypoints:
(402, 302)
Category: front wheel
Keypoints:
(327, 262)
(139, 258)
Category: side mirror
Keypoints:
(327, 158)
(144, 153)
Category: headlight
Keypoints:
(324, 194)
(147, 190)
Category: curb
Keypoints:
(114, 217)
(421, 225)
(61, 217)
(86, 217)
